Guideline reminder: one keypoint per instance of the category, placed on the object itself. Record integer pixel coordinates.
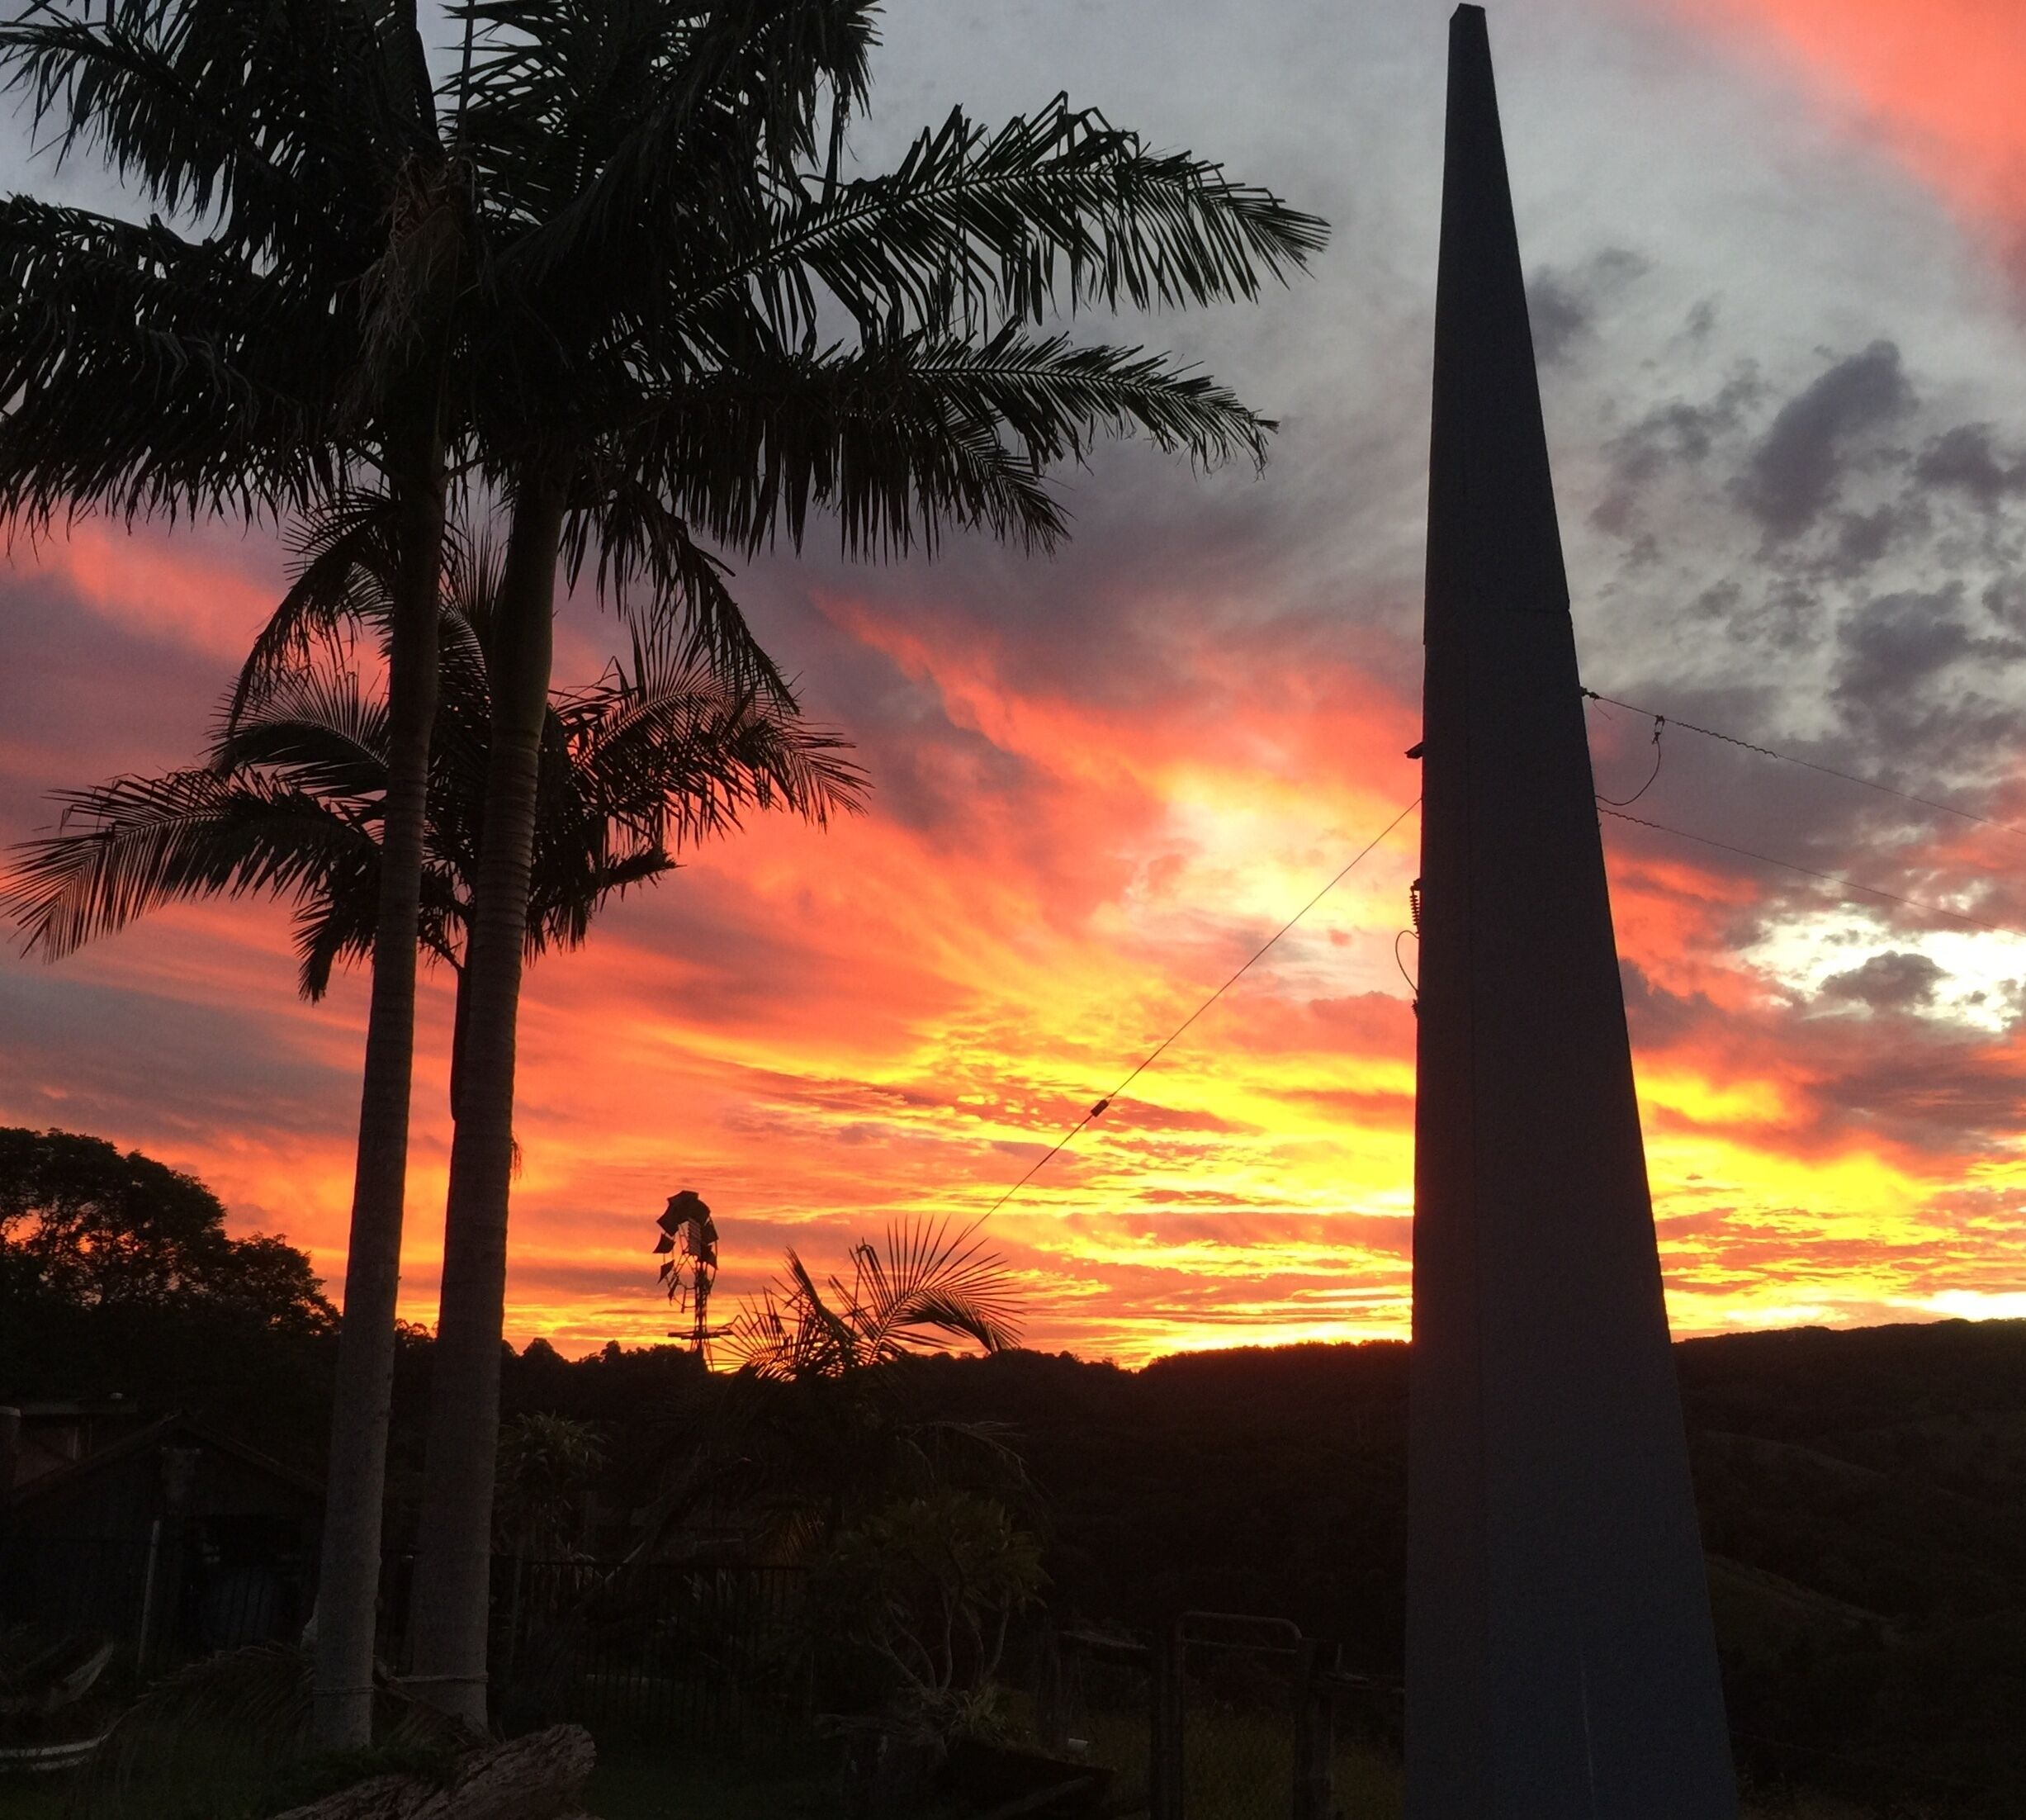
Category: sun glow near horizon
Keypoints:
(1102, 782)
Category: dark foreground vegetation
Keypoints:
(1863, 1493)
(1863, 1498)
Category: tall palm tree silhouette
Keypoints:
(713, 329)
(275, 328)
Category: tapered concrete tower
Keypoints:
(1559, 1657)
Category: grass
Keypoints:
(1237, 1765)
(632, 1782)
(32, 1797)
(674, 1782)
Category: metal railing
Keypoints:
(1219, 1716)
(708, 1652)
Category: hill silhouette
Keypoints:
(1862, 1496)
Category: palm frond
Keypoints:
(657, 575)
(927, 1283)
(931, 1278)
(249, 1707)
(672, 107)
(258, 1697)
(664, 750)
(197, 364)
(900, 439)
(282, 127)
(671, 749)
(315, 726)
(136, 844)
(788, 1332)
(335, 922)
(342, 556)
(973, 228)
(147, 372)
(560, 906)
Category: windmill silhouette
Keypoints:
(687, 1248)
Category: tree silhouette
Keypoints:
(661, 193)
(619, 268)
(84, 1223)
(279, 323)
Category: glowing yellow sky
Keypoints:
(821, 1031)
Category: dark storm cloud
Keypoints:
(1799, 468)
(1874, 620)
(1862, 540)
(2004, 599)
(1657, 1017)
(1893, 981)
(1676, 433)
(98, 1058)
(1913, 680)
(1560, 316)
(1564, 304)
(1967, 460)
(1790, 477)
(1893, 644)
(1944, 1098)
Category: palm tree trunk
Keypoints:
(347, 1592)
(460, 1019)
(455, 1547)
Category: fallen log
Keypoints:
(538, 1777)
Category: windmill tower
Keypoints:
(688, 1249)
(1561, 1661)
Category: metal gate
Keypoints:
(1255, 1724)
(1222, 1717)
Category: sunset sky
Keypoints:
(1777, 252)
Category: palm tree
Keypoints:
(300, 302)
(813, 1425)
(923, 1286)
(274, 324)
(658, 754)
(670, 241)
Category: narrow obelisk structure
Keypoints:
(1561, 1661)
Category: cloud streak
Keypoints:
(1795, 501)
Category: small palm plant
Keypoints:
(915, 1577)
(924, 1285)
(816, 1427)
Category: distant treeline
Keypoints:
(1863, 1493)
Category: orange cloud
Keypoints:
(820, 1031)
(186, 591)
(1939, 82)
